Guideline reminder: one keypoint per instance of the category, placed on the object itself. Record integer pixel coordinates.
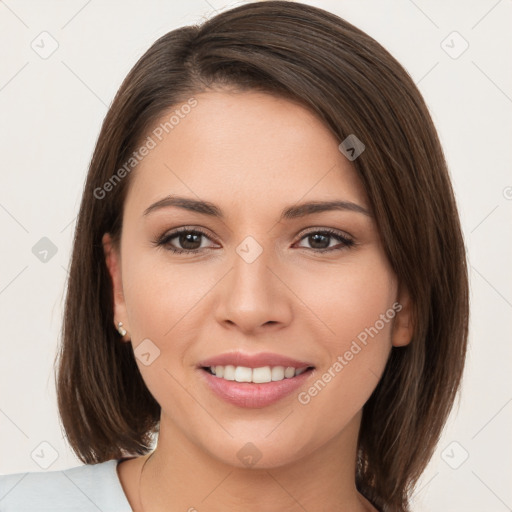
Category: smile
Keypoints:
(254, 388)
(259, 375)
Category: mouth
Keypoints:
(254, 380)
(249, 392)
(259, 375)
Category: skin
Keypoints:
(252, 154)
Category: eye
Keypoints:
(188, 239)
(320, 240)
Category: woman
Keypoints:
(268, 275)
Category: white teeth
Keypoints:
(278, 373)
(229, 372)
(289, 372)
(260, 375)
(256, 375)
(243, 374)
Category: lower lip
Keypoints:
(250, 395)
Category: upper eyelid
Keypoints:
(185, 229)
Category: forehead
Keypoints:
(249, 148)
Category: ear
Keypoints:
(403, 327)
(113, 262)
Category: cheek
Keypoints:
(355, 311)
(164, 304)
(349, 298)
(158, 293)
(146, 296)
(160, 300)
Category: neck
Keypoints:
(180, 476)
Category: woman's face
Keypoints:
(260, 283)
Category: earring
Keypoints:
(121, 329)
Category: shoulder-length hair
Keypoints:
(355, 86)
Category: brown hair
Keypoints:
(356, 87)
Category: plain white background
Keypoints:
(51, 112)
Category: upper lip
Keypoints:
(253, 360)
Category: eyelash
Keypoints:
(164, 240)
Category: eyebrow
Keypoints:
(290, 212)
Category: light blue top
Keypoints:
(86, 488)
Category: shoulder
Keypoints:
(82, 488)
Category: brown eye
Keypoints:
(187, 240)
(321, 240)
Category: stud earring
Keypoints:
(121, 329)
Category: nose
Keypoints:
(253, 296)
